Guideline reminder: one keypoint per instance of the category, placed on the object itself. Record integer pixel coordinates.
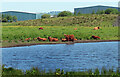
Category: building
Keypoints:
(21, 16)
(89, 10)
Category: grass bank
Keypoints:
(35, 72)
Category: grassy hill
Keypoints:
(82, 20)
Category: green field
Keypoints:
(17, 32)
(82, 33)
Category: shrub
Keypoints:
(75, 13)
(14, 18)
(79, 13)
(98, 11)
(4, 20)
(45, 16)
(111, 11)
(93, 12)
(9, 17)
(102, 12)
(65, 13)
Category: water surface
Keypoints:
(72, 57)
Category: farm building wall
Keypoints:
(21, 16)
(89, 10)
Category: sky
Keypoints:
(41, 6)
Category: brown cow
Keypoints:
(69, 37)
(52, 39)
(41, 39)
(96, 28)
(63, 40)
(34, 38)
(75, 39)
(66, 37)
(27, 39)
(95, 37)
(75, 28)
(41, 28)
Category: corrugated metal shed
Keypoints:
(21, 16)
(89, 10)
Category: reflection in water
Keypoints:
(73, 57)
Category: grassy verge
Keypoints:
(60, 73)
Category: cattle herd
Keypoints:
(67, 37)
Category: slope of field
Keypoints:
(82, 20)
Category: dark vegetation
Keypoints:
(45, 16)
(68, 13)
(111, 11)
(107, 11)
(8, 18)
(65, 13)
(10, 72)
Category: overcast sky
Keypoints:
(60, 0)
(52, 5)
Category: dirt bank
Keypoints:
(78, 41)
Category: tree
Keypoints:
(111, 11)
(4, 16)
(98, 11)
(45, 16)
(4, 20)
(75, 13)
(65, 13)
(115, 11)
(79, 13)
(93, 12)
(108, 11)
(9, 18)
(14, 18)
(102, 12)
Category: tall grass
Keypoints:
(82, 20)
(60, 73)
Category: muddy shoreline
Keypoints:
(78, 41)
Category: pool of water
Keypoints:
(74, 57)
